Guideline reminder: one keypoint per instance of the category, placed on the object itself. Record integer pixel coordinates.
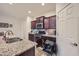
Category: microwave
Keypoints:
(39, 25)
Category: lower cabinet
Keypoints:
(32, 37)
(38, 41)
(30, 52)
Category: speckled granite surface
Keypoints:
(12, 49)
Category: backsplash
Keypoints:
(48, 31)
(51, 31)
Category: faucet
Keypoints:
(9, 32)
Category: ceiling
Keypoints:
(20, 10)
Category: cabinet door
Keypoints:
(37, 20)
(33, 24)
(32, 37)
(46, 23)
(52, 22)
(40, 19)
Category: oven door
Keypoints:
(39, 25)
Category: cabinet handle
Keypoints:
(75, 44)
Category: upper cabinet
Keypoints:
(40, 19)
(33, 24)
(40, 22)
(50, 22)
(46, 22)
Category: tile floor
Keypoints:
(39, 52)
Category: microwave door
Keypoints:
(39, 25)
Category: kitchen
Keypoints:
(43, 29)
(39, 29)
(24, 31)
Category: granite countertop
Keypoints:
(12, 49)
(54, 36)
(48, 35)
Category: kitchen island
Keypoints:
(19, 48)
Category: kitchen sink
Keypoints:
(14, 39)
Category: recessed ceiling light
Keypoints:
(43, 4)
(29, 12)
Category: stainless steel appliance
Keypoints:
(39, 25)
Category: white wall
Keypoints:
(26, 27)
(16, 25)
(60, 6)
(50, 13)
(20, 28)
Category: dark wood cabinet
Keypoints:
(50, 22)
(46, 23)
(30, 52)
(40, 19)
(40, 22)
(33, 24)
(44, 38)
(38, 41)
(32, 37)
